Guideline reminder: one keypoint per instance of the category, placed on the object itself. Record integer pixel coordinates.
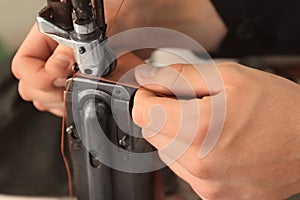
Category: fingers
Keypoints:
(184, 120)
(177, 128)
(57, 112)
(46, 101)
(51, 101)
(32, 71)
(181, 79)
(30, 93)
(36, 46)
(41, 74)
(54, 108)
(42, 66)
(29, 62)
(60, 63)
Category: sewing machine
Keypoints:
(101, 134)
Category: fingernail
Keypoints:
(146, 71)
(61, 60)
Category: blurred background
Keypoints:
(29, 166)
(16, 19)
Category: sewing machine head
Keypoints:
(80, 24)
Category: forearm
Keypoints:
(209, 28)
(197, 19)
(259, 28)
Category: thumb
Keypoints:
(60, 63)
(180, 79)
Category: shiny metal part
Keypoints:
(84, 29)
(69, 129)
(123, 141)
(86, 36)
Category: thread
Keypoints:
(115, 17)
(62, 142)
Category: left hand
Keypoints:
(258, 153)
(42, 67)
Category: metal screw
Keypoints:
(94, 160)
(82, 50)
(75, 68)
(69, 129)
(123, 141)
(72, 131)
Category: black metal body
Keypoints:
(97, 112)
(86, 109)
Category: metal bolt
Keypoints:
(123, 141)
(69, 129)
(82, 50)
(75, 135)
(75, 68)
(94, 160)
(72, 131)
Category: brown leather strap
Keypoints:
(124, 72)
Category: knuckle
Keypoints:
(39, 106)
(57, 112)
(42, 83)
(209, 191)
(179, 76)
(234, 77)
(40, 80)
(201, 169)
(228, 65)
(231, 72)
(23, 92)
(14, 67)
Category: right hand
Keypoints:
(249, 117)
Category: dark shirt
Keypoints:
(30, 157)
(259, 27)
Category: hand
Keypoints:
(195, 18)
(42, 66)
(257, 155)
